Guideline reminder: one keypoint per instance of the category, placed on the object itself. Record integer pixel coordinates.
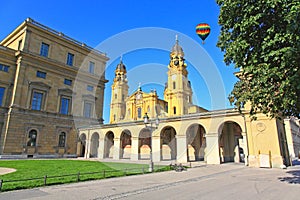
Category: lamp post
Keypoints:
(151, 125)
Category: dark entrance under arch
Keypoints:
(109, 145)
(125, 150)
(144, 144)
(94, 145)
(196, 143)
(168, 144)
(82, 145)
(230, 150)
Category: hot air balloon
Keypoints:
(203, 31)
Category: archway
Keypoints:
(125, 144)
(94, 145)
(196, 143)
(81, 145)
(144, 144)
(109, 145)
(229, 148)
(168, 143)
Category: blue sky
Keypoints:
(149, 28)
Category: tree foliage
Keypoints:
(262, 39)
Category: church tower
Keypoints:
(119, 93)
(178, 91)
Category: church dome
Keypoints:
(121, 66)
(177, 48)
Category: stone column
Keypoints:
(116, 155)
(212, 148)
(87, 149)
(156, 148)
(101, 148)
(87, 146)
(181, 147)
(134, 149)
(19, 90)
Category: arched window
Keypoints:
(174, 85)
(114, 117)
(116, 96)
(62, 139)
(174, 110)
(32, 138)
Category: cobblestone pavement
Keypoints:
(226, 181)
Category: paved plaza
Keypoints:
(227, 181)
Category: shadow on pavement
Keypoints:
(294, 179)
(294, 174)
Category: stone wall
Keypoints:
(48, 127)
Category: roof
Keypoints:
(177, 48)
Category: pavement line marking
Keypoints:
(161, 187)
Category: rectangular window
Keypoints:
(44, 49)
(4, 68)
(32, 138)
(41, 74)
(37, 100)
(62, 139)
(68, 82)
(92, 67)
(87, 110)
(2, 90)
(90, 88)
(70, 59)
(64, 105)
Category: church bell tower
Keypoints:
(178, 92)
(119, 93)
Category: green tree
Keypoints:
(262, 39)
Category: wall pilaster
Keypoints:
(212, 149)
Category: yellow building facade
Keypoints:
(50, 83)
(186, 132)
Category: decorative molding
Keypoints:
(89, 97)
(260, 126)
(66, 91)
(39, 85)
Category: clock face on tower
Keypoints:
(173, 77)
(138, 96)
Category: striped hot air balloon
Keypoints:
(203, 31)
